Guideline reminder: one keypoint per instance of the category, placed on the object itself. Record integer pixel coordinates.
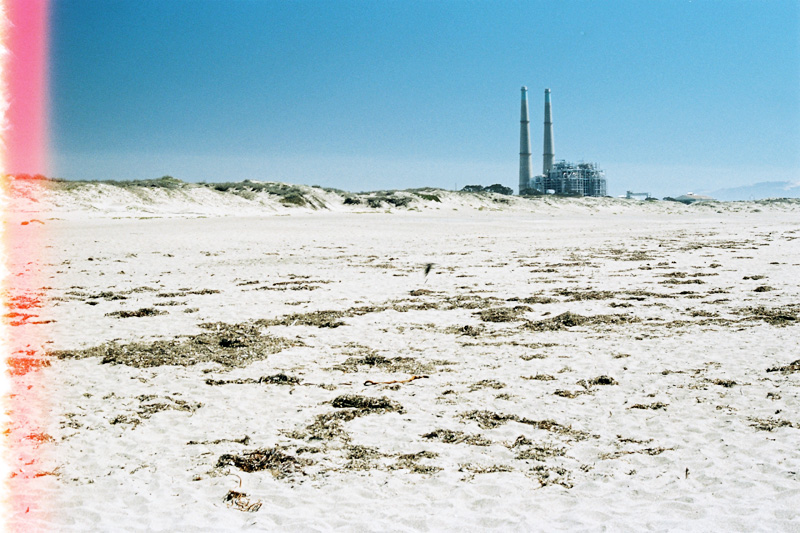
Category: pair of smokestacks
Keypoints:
(525, 141)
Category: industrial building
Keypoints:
(558, 177)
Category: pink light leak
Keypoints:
(24, 150)
(27, 86)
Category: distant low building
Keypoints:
(690, 198)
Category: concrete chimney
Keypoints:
(548, 135)
(524, 144)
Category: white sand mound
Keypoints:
(581, 364)
(175, 198)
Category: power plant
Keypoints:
(560, 178)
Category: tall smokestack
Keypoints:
(548, 135)
(524, 144)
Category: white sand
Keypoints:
(90, 456)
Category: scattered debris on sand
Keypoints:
(410, 462)
(371, 360)
(230, 345)
(275, 379)
(769, 424)
(654, 406)
(456, 437)
(568, 319)
(777, 316)
(366, 403)
(487, 384)
(603, 380)
(278, 463)
(786, 369)
(490, 420)
(152, 404)
(503, 314)
(539, 377)
(144, 311)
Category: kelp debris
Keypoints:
(366, 403)
(275, 379)
(503, 314)
(768, 424)
(786, 369)
(456, 437)
(654, 406)
(410, 461)
(491, 420)
(568, 319)
(278, 463)
(144, 311)
(231, 345)
(487, 384)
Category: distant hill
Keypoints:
(759, 191)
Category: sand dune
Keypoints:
(193, 362)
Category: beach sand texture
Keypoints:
(580, 365)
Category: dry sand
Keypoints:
(588, 365)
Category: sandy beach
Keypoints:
(202, 361)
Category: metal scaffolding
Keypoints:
(569, 179)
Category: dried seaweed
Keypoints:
(547, 475)
(603, 380)
(539, 377)
(320, 319)
(491, 420)
(487, 384)
(569, 319)
(275, 379)
(768, 424)
(778, 316)
(405, 365)
(645, 451)
(244, 441)
(539, 452)
(503, 314)
(410, 461)
(580, 295)
(786, 369)
(147, 410)
(456, 437)
(366, 403)
(144, 311)
(230, 345)
(533, 300)
(654, 406)
(279, 464)
(471, 331)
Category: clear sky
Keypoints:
(666, 97)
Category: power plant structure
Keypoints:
(558, 177)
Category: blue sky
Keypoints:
(667, 97)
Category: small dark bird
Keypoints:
(428, 268)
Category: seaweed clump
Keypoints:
(779, 316)
(279, 464)
(230, 345)
(568, 319)
(491, 420)
(144, 311)
(366, 403)
(456, 437)
(503, 314)
(275, 379)
(786, 369)
(328, 426)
